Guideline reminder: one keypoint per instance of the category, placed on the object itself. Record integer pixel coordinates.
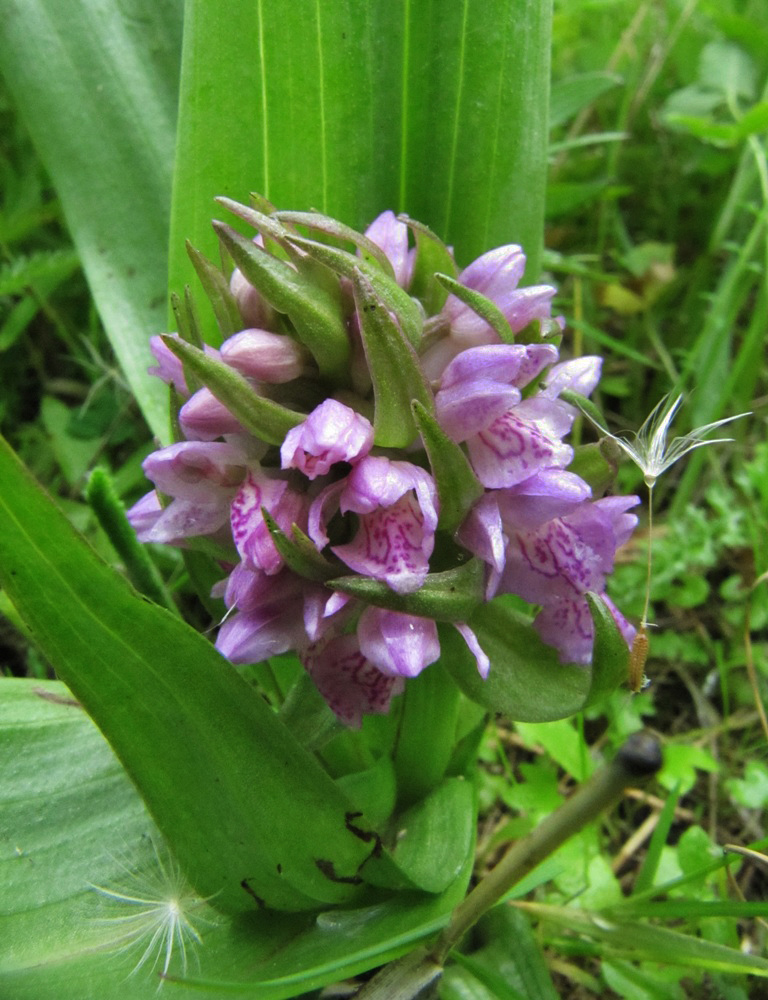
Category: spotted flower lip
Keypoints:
(249, 529)
(508, 439)
(557, 564)
(350, 683)
(396, 505)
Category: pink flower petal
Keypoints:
(397, 644)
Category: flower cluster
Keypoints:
(376, 439)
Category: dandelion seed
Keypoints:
(649, 450)
(158, 904)
(653, 456)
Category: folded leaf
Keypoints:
(225, 781)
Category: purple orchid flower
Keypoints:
(391, 235)
(557, 563)
(374, 508)
(331, 433)
(249, 529)
(351, 684)
(202, 477)
(508, 439)
(397, 514)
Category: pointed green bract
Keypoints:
(217, 289)
(432, 255)
(527, 682)
(266, 419)
(332, 227)
(457, 485)
(224, 780)
(610, 656)
(299, 553)
(394, 366)
(315, 314)
(481, 305)
(451, 596)
(396, 299)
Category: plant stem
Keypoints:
(644, 620)
(639, 758)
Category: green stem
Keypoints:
(408, 978)
(110, 513)
(639, 758)
(426, 737)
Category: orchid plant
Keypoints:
(367, 473)
(352, 540)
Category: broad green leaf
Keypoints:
(527, 682)
(426, 734)
(69, 818)
(436, 836)
(102, 113)
(225, 781)
(349, 109)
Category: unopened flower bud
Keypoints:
(266, 357)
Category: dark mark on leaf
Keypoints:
(329, 870)
(259, 901)
(57, 699)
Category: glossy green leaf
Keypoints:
(103, 115)
(226, 783)
(349, 109)
(426, 734)
(436, 836)
(69, 818)
(527, 682)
